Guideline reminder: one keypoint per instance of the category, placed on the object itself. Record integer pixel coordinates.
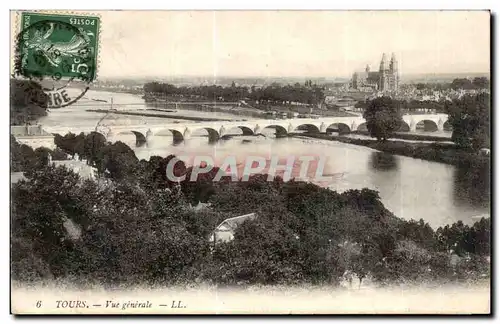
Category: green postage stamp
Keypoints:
(58, 46)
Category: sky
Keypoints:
(290, 43)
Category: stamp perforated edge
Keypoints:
(17, 29)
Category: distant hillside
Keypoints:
(263, 81)
(221, 80)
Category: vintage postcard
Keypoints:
(250, 162)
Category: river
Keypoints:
(411, 188)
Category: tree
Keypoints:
(93, 143)
(27, 101)
(71, 143)
(481, 82)
(40, 207)
(383, 117)
(155, 172)
(481, 236)
(118, 161)
(470, 118)
(463, 83)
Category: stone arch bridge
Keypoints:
(217, 129)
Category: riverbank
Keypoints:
(436, 152)
(242, 108)
(118, 90)
(215, 107)
(411, 136)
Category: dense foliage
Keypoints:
(467, 84)
(273, 94)
(134, 226)
(478, 83)
(383, 117)
(470, 119)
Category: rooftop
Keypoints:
(28, 130)
(15, 177)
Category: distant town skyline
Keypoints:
(290, 43)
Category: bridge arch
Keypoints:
(167, 132)
(404, 127)
(240, 130)
(309, 128)
(213, 135)
(426, 125)
(98, 134)
(279, 131)
(340, 128)
(362, 127)
(140, 138)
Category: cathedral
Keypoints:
(385, 79)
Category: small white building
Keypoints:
(15, 177)
(225, 231)
(81, 168)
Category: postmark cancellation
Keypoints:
(58, 51)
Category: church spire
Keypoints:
(383, 63)
(393, 66)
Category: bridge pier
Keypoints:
(222, 131)
(257, 129)
(413, 127)
(440, 125)
(149, 136)
(354, 127)
(187, 134)
(322, 128)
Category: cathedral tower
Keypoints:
(393, 69)
(383, 74)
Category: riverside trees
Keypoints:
(383, 117)
(273, 94)
(470, 118)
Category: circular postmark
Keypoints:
(57, 60)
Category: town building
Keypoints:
(384, 80)
(78, 166)
(15, 177)
(33, 135)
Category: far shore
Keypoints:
(193, 118)
(446, 153)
